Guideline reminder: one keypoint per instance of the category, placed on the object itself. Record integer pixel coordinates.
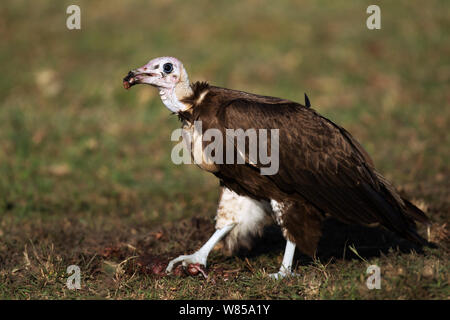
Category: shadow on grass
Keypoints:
(336, 239)
(186, 236)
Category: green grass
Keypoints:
(85, 165)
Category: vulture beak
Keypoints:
(138, 76)
(129, 80)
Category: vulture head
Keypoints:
(168, 75)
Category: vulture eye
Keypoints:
(168, 67)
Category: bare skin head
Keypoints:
(168, 75)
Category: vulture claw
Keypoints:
(283, 274)
(193, 262)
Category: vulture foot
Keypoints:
(283, 274)
(194, 259)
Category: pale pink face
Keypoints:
(163, 72)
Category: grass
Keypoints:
(86, 175)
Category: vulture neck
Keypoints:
(173, 97)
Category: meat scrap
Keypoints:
(156, 265)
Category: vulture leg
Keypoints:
(248, 214)
(286, 265)
(201, 255)
(299, 222)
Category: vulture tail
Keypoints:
(415, 213)
(409, 211)
(402, 221)
(412, 235)
(418, 215)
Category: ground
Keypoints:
(86, 175)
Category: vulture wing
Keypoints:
(323, 163)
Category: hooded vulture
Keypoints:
(321, 169)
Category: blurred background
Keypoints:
(84, 162)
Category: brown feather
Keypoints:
(323, 169)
